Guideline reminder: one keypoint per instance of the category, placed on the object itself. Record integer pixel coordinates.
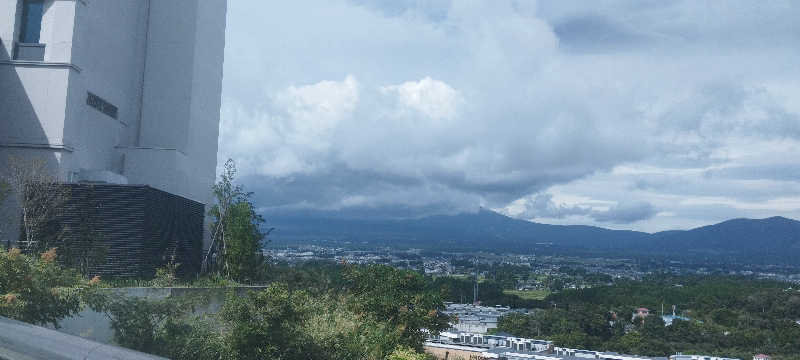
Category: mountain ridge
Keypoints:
(774, 237)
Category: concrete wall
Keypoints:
(108, 46)
(444, 352)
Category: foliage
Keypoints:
(528, 294)
(489, 292)
(236, 236)
(344, 334)
(165, 327)
(39, 291)
(41, 197)
(404, 353)
(334, 320)
(400, 298)
(732, 317)
(166, 276)
(267, 324)
(243, 256)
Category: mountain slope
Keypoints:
(770, 236)
(774, 237)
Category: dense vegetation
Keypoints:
(330, 312)
(732, 317)
(39, 291)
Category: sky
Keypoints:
(643, 115)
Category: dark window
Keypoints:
(101, 105)
(31, 21)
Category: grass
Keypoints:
(529, 294)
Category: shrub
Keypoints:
(39, 291)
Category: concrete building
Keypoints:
(475, 318)
(449, 345)
(113, 92)
(698, 357)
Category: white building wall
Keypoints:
(9, 11)
(159, 62)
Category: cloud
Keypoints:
(543, 206)
(431, 98)
(626, 213)
(560, 111)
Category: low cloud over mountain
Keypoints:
(644, 115)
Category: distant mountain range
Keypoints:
(773, 239)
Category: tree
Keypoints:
(164, 327)
(39, 291)
(398, 297)
(243, 256)
(236, 237)
(267, 324)
(41, 197)
(405, 353)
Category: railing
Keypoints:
(21, 341)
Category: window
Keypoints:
(31, 21)
(101, 105)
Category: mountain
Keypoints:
(483, 230)
(775, 237)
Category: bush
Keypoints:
(39, 291)
(164, 327)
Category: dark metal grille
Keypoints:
(142, 228)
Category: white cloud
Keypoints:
(621, 108)
(432, 98)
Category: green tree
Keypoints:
(39, 291)
(267, 324)
(165, 327)
(244, 242)
(236, 236)
(404, 353)
(398, 297)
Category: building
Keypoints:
(455, 344)
(605, 355)
(475, 318)
(697, 357)
(640, 313)
(115, 93)
(450, 345)
(761, 357)
(668, 319)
